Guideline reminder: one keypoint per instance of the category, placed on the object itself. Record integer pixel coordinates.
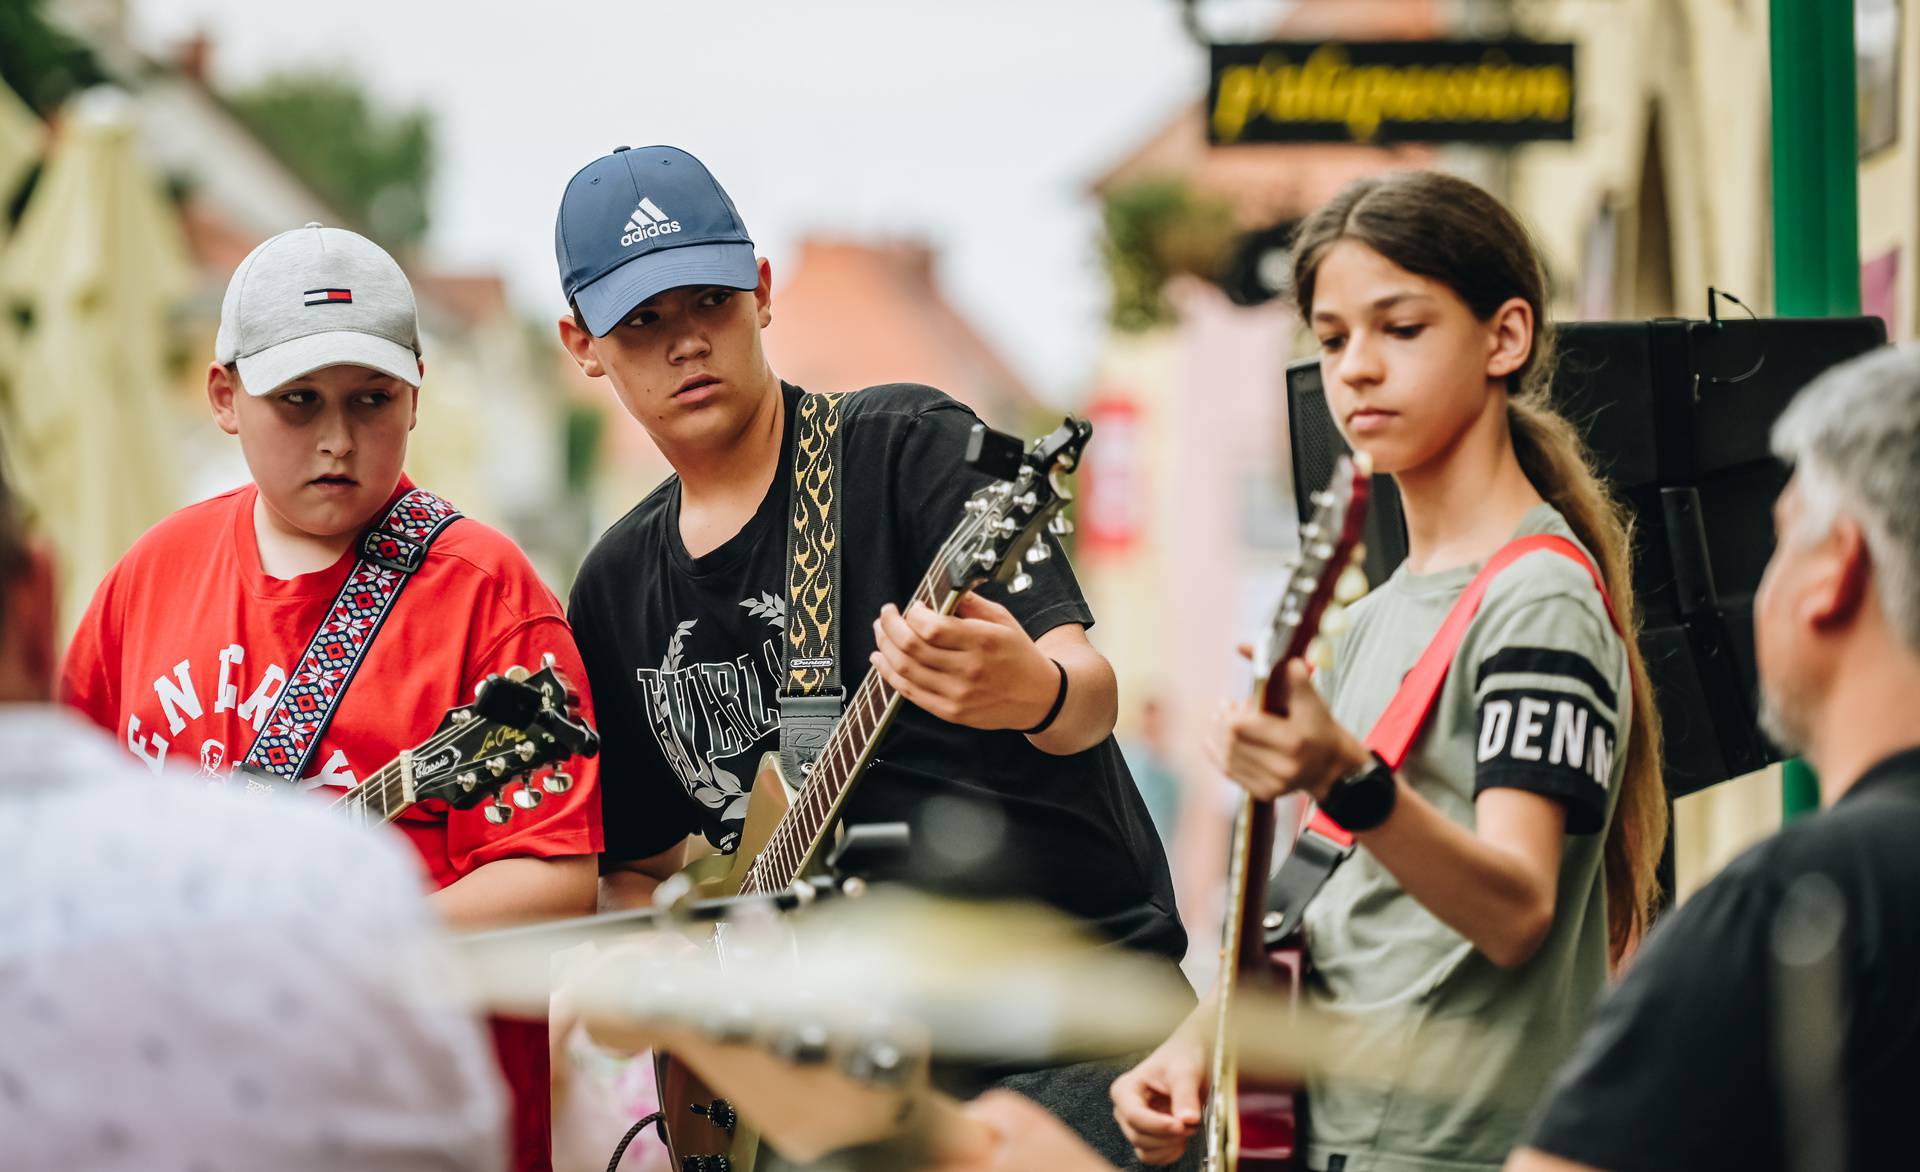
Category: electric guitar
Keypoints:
(1253, 1125)
(998, 535)
(518, 723)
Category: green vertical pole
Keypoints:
(1816, 202)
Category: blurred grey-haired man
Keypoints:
(1771, 1022)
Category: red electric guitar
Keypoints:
(1253, 1126)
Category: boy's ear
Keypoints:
(222, 385)
(579, 344)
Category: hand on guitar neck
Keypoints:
(1302, 749)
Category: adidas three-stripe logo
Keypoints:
(647, 221)
(646, 213)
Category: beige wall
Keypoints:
(1670, 88)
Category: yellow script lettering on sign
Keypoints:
(1327, 87)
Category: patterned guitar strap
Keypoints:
(390, 552)
(811, 694)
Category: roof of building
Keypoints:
(856, 313)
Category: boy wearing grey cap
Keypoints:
(323, 617)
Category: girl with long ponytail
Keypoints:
(1508, 863)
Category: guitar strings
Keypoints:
(794, 838)
(781, 845)
(382, 781)
(788, 845)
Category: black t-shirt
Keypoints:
(1683, 1068)
(684, 656)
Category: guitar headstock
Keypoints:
(1001, 532)
(518, 723)
(810, 1075)
(1325, 578)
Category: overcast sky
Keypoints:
(976, 124)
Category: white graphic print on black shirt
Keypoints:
(684, 657)
(706, 713)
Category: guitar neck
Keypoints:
(1243, 946)
(380, 797)
(804, 828)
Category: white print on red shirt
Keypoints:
(180, 703)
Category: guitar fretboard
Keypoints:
(870, 709)
(378, 798)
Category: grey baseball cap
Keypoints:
(317, 297)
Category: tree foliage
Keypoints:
(1153, 230)
(38, 61)
(374, 165)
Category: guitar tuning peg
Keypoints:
(518, 674)
(1335, 622)
(547, 660)
(1320, 653)
(804, 1045)
(1040, 552)
(557, 782)
(880, 1061)
(526, 797)
(482, 685)
(1020, 583)
(497, 812)
(1351, 586)
(1059, 526)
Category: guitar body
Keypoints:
(1267, 1116)
(1252, 1124)
(699, 1134)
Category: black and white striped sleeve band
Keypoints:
(1548, 725)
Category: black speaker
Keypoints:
(1316, 443)
(1677, 414)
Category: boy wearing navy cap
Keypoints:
(1003, 763)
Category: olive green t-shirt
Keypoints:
(1448, 1051)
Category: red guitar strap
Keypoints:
(1323, 843)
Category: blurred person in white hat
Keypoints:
(185, 991)
(315, 622)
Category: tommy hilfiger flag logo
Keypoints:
(648, 221)
(329, 297)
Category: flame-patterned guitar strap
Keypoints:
(811, 695)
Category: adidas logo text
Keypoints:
(647, 221)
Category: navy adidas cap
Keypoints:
(639, 221)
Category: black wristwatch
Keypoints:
(1361, 801)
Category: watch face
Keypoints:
(1363, 800)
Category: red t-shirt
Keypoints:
(188, 641)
